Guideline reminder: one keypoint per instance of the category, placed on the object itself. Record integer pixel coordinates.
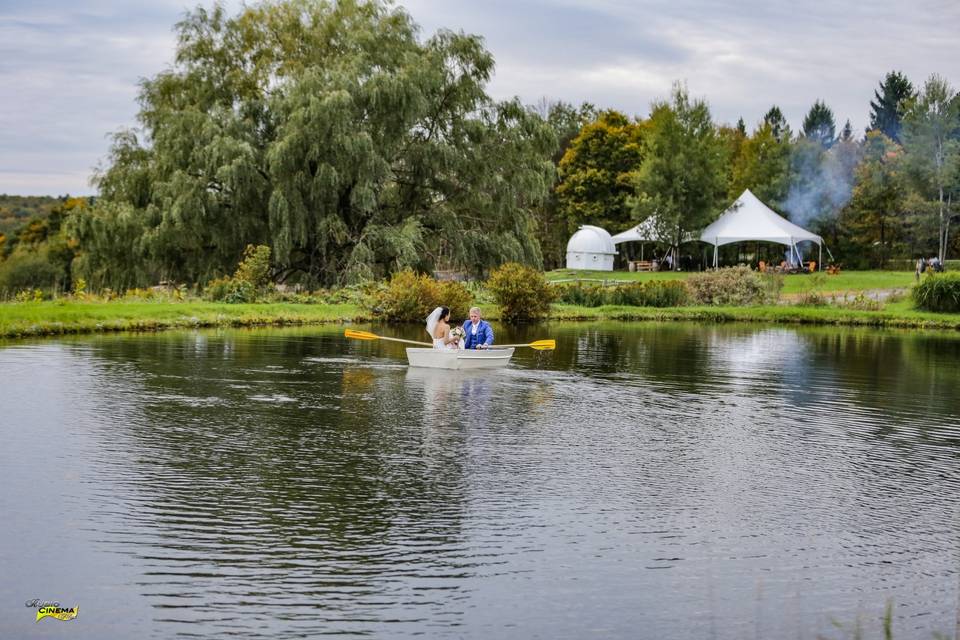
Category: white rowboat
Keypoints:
(459, 358)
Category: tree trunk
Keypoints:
(946, 231)
(942, 253)
(883, 244)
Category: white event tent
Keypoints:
(748, 219)
(646, 231)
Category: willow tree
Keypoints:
(331, 132)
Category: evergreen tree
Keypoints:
(847, 134)
(778, 124)
(873, 218)
(819, 125)
(890, 104)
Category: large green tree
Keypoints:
(553, 226)
(596, 172)
(890, 104)
(329, 131)
(930, 139)
(874, 217)
(778, 124)
(762, 166)
(682, 180)
(819, 125)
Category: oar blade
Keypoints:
(360, 335)
(544, 345)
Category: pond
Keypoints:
(644, 480)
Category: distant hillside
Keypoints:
(16, 210)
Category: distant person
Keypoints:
(921, 267)
(479, 332)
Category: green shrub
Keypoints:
(521, 292)
(249, 283)
(27, 271)
(653, 293)
(665, 293)
(410, 297)
(583, 295)
(862, 302)
(456, 296)
(938, 292)
(29, 296)
(255, 266)
(230, 290)
(812, 299)
(734, 286)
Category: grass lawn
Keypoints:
(897, 314)
(66, 316)
(794, 283)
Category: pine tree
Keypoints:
(891, 104)
(778, 124)
(819, 125)
(847, 134)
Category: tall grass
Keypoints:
(938, 292)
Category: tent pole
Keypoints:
(820, 261)
(715, 252)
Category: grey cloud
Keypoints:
(69, 71)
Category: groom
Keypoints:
(479, 333)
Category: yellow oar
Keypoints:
(541, 345)
(366, 335)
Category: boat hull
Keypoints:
(459, 358)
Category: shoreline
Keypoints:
(39, 319)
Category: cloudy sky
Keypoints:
(69, 69)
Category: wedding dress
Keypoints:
(438, 343)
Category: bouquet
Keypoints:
(458, 333)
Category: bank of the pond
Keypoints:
(895, 315)
(18, 320)
(65, 317)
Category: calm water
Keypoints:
(659, 481)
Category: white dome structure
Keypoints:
(591, 248)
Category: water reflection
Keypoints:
(690, 481)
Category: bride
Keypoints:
(438, 326)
